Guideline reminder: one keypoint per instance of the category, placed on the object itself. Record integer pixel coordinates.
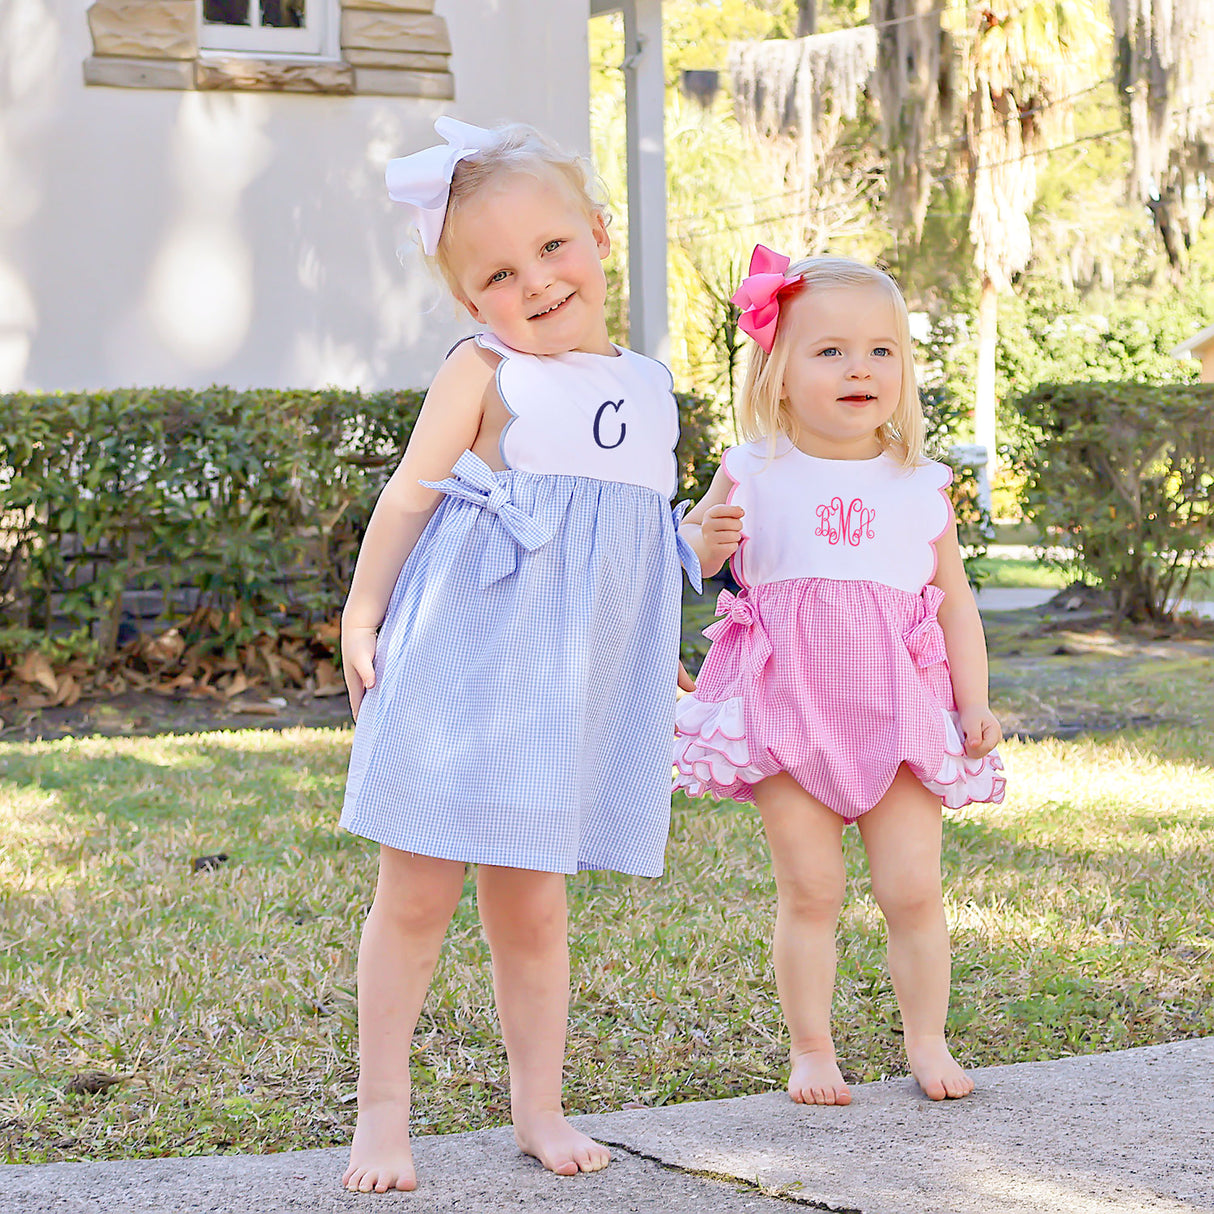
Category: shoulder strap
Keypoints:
(493, 343)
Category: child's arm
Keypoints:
(711, 527)
(966, 646)
(448, 424)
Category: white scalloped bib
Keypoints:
(588, 415)
(849, 520)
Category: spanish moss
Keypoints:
(803, 87)
(1165, 60)
(912, 86)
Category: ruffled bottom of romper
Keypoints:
(525, 679)
(840, 718)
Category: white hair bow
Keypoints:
(422, 181)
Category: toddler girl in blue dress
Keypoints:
(510, 641)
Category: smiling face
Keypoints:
(527, 257)
(843, 378)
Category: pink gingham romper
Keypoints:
(830, 663)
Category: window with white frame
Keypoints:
(288, 27)
(389, 48)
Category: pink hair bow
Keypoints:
(759, 295)
(422, 181)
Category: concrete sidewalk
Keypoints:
(1120, 1133)
(1015, 598)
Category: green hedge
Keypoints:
(241, 511)
(244, 509)
(251, 503)
(1124, 473)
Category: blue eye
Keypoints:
(500, 276)
(830, 350)
(884, 351)
(552, 246)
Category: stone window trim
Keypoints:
(388, 47)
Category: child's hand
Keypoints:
(982, 732)
(721, 533)
(686, 682)
(357, 662)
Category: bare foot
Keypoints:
(816, 1078)
(380, 1158)
(558, 1146)
(936, 1071)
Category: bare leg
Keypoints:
(414, 901)
(524, 917)
(902, 837)
(806, 841)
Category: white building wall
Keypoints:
(187, 238)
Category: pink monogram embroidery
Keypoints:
(850, 525)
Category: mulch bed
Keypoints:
(164, 683)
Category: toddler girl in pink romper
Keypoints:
(847, 681)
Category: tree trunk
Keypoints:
(1163, 212)
(984, 381)
(807, 18)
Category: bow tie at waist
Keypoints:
(686, 553)
(472, 480)
(740, 613)
(925, 640)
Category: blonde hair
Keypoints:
(519, 149)
(762, 411)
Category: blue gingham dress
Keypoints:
(526, 667)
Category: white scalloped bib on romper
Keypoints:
(836, 502)
(588, 415)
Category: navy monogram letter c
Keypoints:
(598, 419)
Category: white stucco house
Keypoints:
(191, 191)
(1201, 347)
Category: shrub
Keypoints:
(237, 513)
(1048, 334)
(245, 506)
(700, 445)
(1124, 473)
(945, 420)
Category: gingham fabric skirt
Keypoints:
(836, 682)
(525, 679)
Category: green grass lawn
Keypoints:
(1000, 571)
(221, 1003)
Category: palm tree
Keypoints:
(1023, 58)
